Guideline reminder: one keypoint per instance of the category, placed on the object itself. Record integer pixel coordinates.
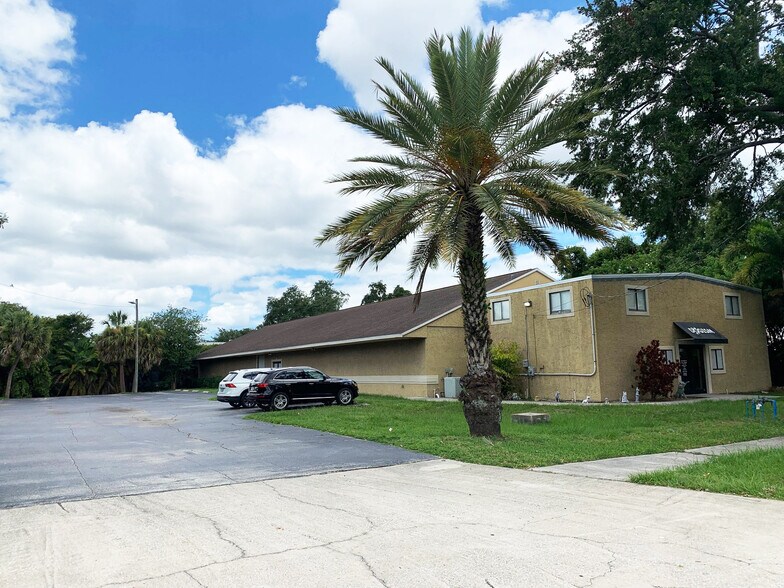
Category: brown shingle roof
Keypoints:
(390, 318)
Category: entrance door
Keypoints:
(693, 368)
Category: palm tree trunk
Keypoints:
(481, 402)
(10, 379)
(122, 377)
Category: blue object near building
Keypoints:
(755, 405)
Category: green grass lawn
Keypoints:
(575, 433)
(758, 473)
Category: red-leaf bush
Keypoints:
(655, 375)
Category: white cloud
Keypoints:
(297, 82)
(35, 41)
(357, 32)
(103, 214)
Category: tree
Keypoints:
(324, 298)
(377, 292)
(180, 333)
(294, 303)
(116, 318)
(655, 375)
(761, 256)
(116, 346)
(466, 166)
(24, 340)
(69, 331)
(687, 86)
(571, 262)
(225, 335)
(79, 370)
(3, 219)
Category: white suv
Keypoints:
(234, 387)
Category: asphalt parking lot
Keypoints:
(73, 448)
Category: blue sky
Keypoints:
(146, 145)
(205, 63)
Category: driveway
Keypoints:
(431, 524)
(63, 449)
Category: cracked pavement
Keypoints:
(426, 523)
(62, 449)
(434, 523)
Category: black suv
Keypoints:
(281, 387)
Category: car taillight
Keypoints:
(230, 385)
(261, 386)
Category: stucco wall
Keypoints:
(620, 335)
(557, 344)
(386, 367)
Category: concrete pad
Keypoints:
(620, 468)
(530, 418)
(431, 524)
(742, 446)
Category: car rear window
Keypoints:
(260, 378)
(230, 377)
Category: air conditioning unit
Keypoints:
(451, 387)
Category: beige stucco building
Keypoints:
(579, 337)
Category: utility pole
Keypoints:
(135, 389)
(527, 304)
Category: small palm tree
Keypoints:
(24, 340)
(466, 170)
(116, 318)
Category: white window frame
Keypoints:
(279, 363)
(550, 314)
(492, 311)
(632, 312)
(717, 369)
(671, 349)
(740, 306)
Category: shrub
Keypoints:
(655, 376)
(207, 382)
(505, 357)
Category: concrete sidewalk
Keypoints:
(433, 524)
(621, 468)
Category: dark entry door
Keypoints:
(693, 369)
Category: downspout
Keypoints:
(593, 347)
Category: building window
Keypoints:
(502, 311)
(717, 359)
(732, 306)
(669, 354)
(636, 300)
(560, 302)
(277, 363)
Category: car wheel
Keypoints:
(245, 403)
(280, 401)
(344, 397)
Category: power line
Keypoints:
(11, 286)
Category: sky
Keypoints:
(178, 152)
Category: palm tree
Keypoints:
(467, 168)
(24, 339)
(761, 257)
(116, 345)
(80, 372)
(116, 318)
